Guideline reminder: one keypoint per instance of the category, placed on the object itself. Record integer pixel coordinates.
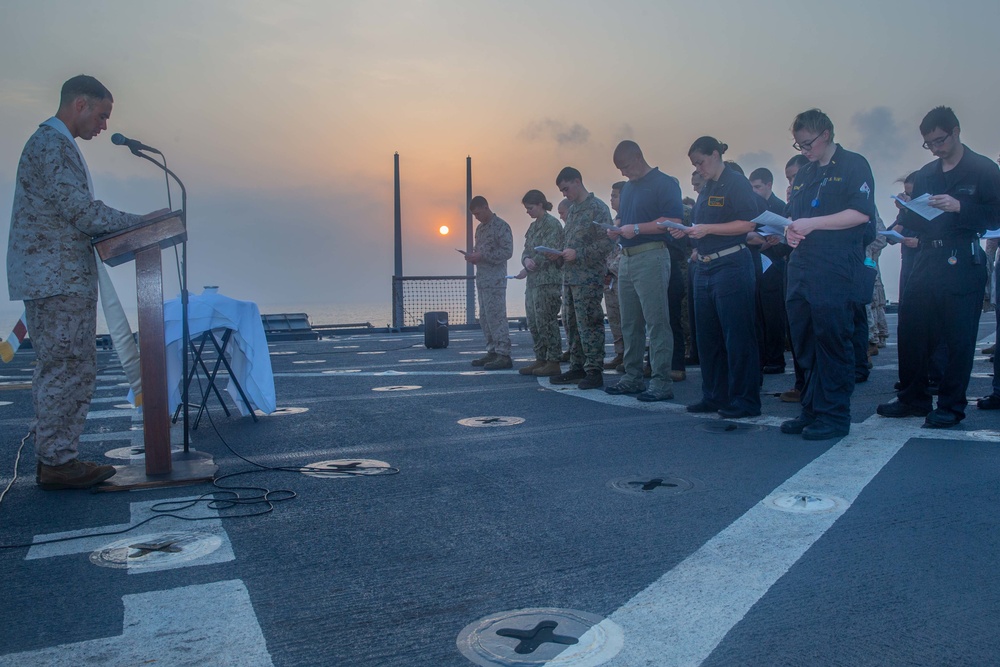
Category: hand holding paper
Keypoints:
(921, 206)
(771, 220)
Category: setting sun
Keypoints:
(443, 229)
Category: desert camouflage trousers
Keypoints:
(612, 305)
(541, 305)
(584, 321)
(493, 319)
(63, 331)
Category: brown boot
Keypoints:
(499, 363)
(614, 363)
(74, 474)
(791, 396)
(528, 370)
(482, 361)
(549, 369)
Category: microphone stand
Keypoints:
(185, 334)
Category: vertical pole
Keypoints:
(470, 294)
(397, 297)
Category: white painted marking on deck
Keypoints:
(109, 414)
(87, 542)
(211, 624)
(683, 616)
(600, 396)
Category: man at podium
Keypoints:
(51, 267)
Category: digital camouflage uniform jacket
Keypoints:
(546, 231)
(52, 222)
(495, 241)
(590, 241)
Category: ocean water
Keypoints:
(378, 314)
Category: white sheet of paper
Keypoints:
(992, 234)
(892, 234)
(541, 248)
(771, 220)
(765, 263)
(602, 225)
(672, 225)
(768, 230)
(920, 206)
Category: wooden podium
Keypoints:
(144, 244)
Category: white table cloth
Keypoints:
(249, 356)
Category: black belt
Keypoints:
(950, 244)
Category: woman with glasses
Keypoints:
(831, 206)
(724, 285)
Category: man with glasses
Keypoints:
(831, 205)
(943, 298)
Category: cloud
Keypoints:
(881, 136)
(557, 131)
(752, 160)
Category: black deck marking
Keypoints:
(540, 634)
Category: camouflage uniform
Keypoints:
(584, 281)
(543, 291)
(51, 267)
(611, 300)
(495, 242)
(878, 328)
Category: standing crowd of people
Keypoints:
(808, 275)
(759, 274)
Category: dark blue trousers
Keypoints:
(821, 306)
(942, 303)
(724, 305)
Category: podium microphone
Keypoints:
(119, 139)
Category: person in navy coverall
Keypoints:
(831, 206)
(944, 294)
(724, 285)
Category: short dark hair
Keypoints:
(83, 84)
(735, 167)
(909, 178)
(813, 120)
(569, 174)
(939, 117)
(536, 198)
(799, 161)
(478, 202)
(617, 186)
(762, 174)
(707, 146)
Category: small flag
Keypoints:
(9, 346)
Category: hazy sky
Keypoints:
(282, 117)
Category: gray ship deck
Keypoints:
(690, 540)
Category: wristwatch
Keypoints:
(635, 230)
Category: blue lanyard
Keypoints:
(815, 202)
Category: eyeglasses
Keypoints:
(935, 143)
(806, 145)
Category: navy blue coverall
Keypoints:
(724, 297)
(826, 283)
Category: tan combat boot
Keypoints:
(74, 474)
